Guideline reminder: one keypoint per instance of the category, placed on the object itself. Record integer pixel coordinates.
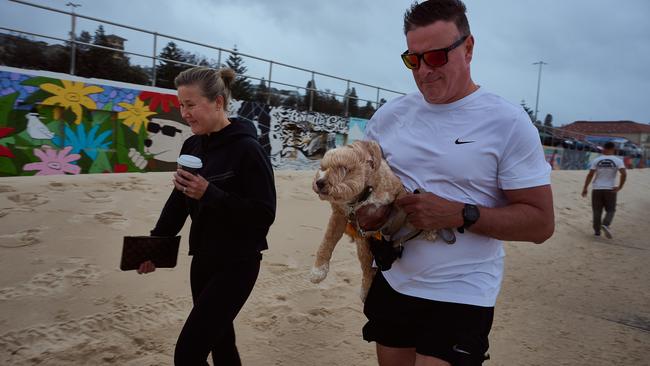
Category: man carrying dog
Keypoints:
(479, 163)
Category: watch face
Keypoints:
(470, 213)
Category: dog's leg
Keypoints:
(365, 259)
(335, 229)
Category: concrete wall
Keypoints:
(54, 123)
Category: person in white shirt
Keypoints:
(604, 189)
(479, 163)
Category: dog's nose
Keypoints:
(320, 184)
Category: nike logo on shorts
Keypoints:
(458, 142)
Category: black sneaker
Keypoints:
(596, 234)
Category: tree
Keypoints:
(530, 112)
(166, 71)
(548, 120)
(311, 96)
(367, 111)
(241, 88)
(261, 92)
(352, 101)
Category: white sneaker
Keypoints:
(608, 233)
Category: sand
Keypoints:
(574, 300)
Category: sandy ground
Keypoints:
(574, 300)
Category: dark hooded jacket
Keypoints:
(234, 214)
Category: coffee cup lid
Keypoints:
(190, 161)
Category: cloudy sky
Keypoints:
(598, 51)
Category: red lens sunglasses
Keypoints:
(433, 58)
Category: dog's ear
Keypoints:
(373, 151)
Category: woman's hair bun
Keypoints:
(227, 75)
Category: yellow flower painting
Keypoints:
(73, 95)
(135, 114)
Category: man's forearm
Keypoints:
(516, 222)
(528, 217)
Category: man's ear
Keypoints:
(469, 50)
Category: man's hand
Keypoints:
(426, 211)
(584, 192)
(372, 217)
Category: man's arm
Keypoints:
(623, 179)
(528, 216)
(590, 176)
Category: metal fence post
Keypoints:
(153, 66)
(347, 100)
(311, 93)
(377, 99)
(73, 37)
(268, 96)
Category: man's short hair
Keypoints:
(609, 145)
(431, 11)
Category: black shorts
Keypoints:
(456, 333)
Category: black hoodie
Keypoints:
(234, 214)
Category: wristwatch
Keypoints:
(471, 214)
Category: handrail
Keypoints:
(220, 49)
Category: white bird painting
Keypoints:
(36, 129)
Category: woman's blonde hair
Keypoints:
(212, 83)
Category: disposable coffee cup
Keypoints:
(189, 163)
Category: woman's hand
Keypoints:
(193, 186)
(146, 267)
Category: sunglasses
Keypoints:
(433, 58)
(166, 130)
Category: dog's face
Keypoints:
(346, 171)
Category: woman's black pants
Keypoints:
(219, 291)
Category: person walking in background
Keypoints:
(231, 201)
(479, 166)
(604, 188)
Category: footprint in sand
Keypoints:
(28, 199)
(97, 338)
(72, 272)
(6, 188)
(21, 239)
(110, 217)
(57, 186)
(97, 197)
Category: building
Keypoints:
(637, 133)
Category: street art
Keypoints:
(54, 123)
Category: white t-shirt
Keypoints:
(606, 167)
(466, 151)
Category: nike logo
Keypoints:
(458, 142)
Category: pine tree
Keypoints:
(548, 120)
(528, 110)
(166, 71)
(353, 102)
(261, 92)
(310, 90)
(241, 88)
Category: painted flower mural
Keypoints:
(90, 143)
(135, 114)
(4, 151)
(158, 99)
(54, 162)
(73, 95)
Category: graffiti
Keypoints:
(61, 124)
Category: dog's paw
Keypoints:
(319, 273)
